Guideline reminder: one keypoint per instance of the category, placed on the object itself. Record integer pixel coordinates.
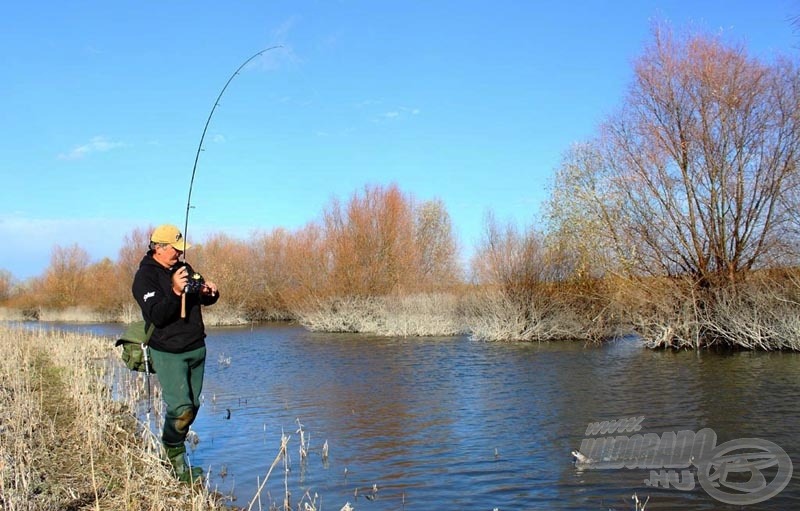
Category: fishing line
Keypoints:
(203, 136)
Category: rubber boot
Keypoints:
(177, 458)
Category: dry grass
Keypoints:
(761, 312)
(484, 313)
(65, 443)
(77, 314)
(12, 314)
(70, 440)
(400, 316)
(541, 311)
(663, 312)
(496, 316)
(221, 314)
(224, 314)
(758, 319)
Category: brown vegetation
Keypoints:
(525, 291)
(366, 268)
(70, 439)
(660, 223)
(762, 311)
(689, 190)
(64, 443)
(425, 314)
(380, 244)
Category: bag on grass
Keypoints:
(134, 347)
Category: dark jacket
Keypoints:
(152, 289)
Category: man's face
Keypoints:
(167, 255)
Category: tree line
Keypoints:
(382, 241)
(677, 220)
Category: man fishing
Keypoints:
(170, 295)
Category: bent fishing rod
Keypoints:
(196, 281)
(203, 136)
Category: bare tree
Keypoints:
(513, 260)
(308, 264)
(436, 246)
(371, 241)
(7, 285)
(225, 261)
(701, 159)
(102, 291)
(285, 268)
(579, 209)
(65, 278)
(130, 254)
(133, 248)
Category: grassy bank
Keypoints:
(397, 316)
(65, 444)
(485, 314)
(219, 315)
(759, 311)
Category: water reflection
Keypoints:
(448, 422)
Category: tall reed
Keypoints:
(68, 432)
(72, 434)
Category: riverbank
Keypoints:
(65, 442)
(759, 313)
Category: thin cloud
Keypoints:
(98, 144)
(281, 32)
(399, 113)
(276, 57)
(283, 52)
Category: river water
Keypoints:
(451, 423)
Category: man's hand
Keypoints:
(179, 280)
(209, 288)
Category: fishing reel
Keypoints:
(195, 284)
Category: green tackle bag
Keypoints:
(134, 347)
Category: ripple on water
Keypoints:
(470, 425)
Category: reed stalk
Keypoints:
(69, 438)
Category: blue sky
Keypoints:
(471, 102)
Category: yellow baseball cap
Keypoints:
(170, 235)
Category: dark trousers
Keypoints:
(181, 379)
